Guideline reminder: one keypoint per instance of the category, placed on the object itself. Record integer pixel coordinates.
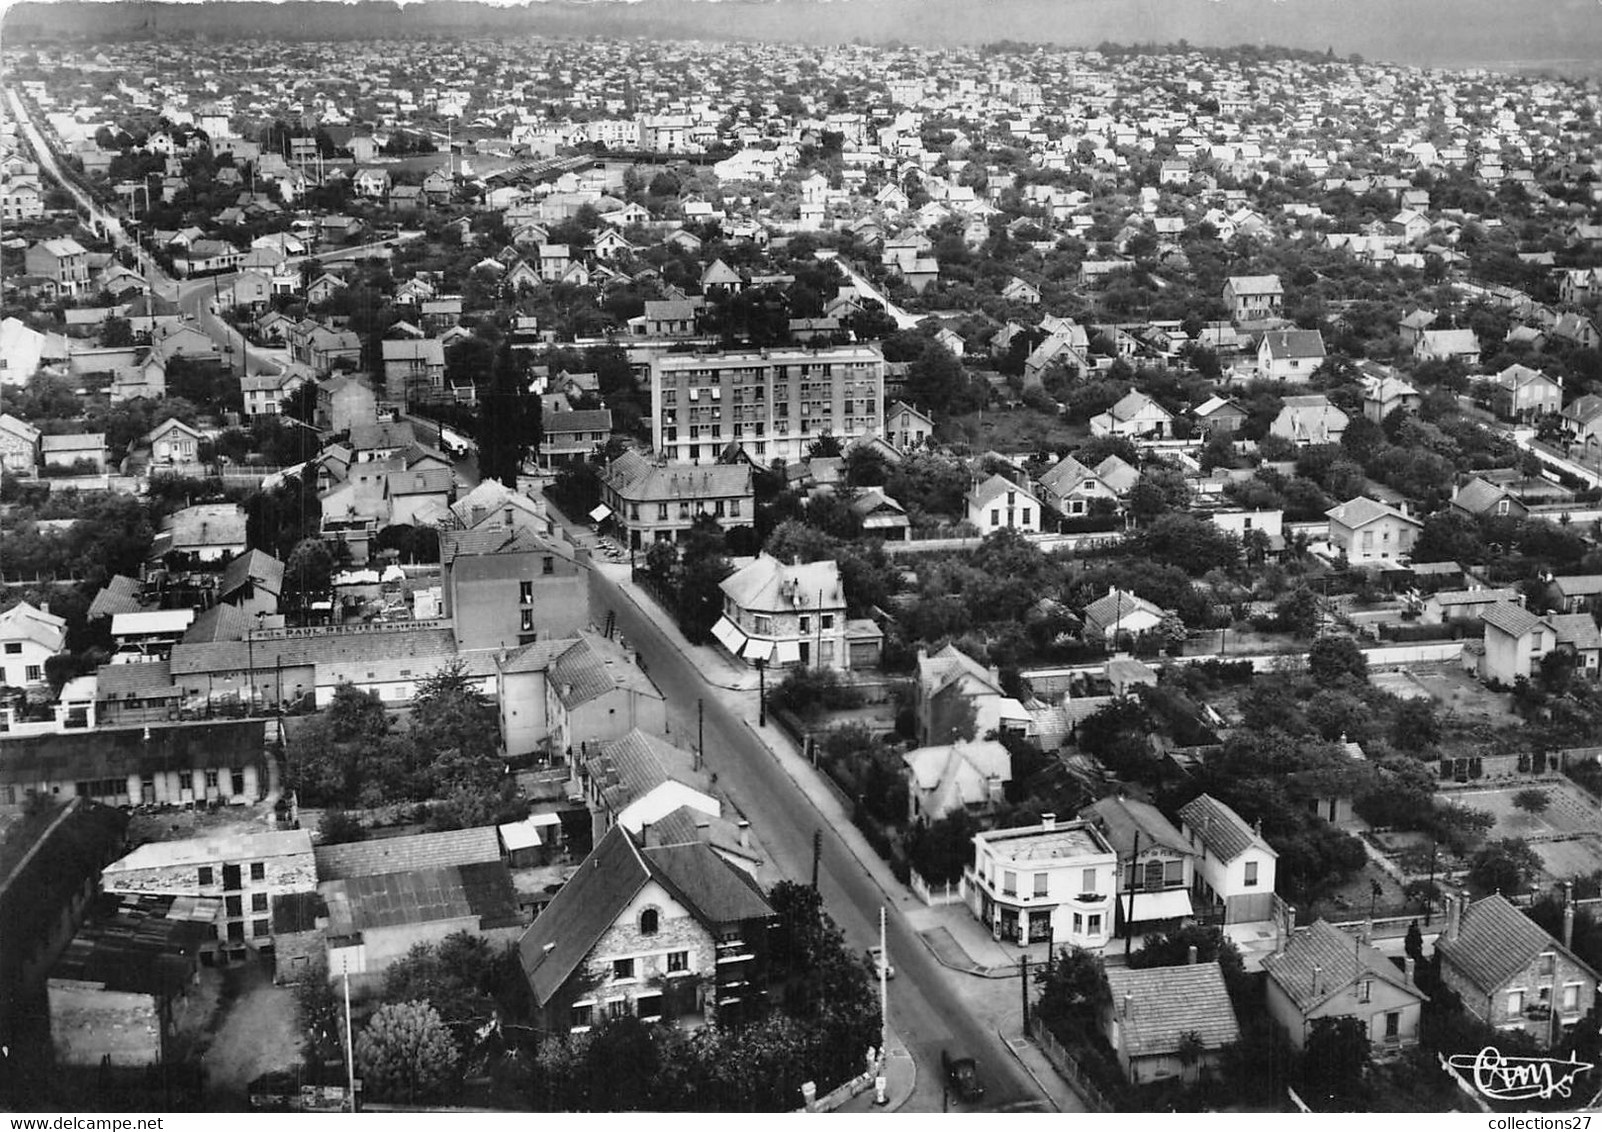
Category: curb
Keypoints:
(901, 1104)
(1024, 1065)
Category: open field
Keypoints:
(1570, 810)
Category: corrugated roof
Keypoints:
(1158, 1007)
(422, 896)
(416, 851)
(271, 652)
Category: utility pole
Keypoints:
(1429, 893)
(700, 732)
(350, 1057)
(817, 855)
(762, 693)
(884, 987)
(1023, 984)
(1129, 922)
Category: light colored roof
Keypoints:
(1361, 510)
(1514, 620)
(1256, 285)
(951, 664)
(1224, 832)
(415, 851)
(24, 622)
(994, 488)
(960, 773)
(636, 479)
(1159, 1007)
(1496, 941)
(151, 621)
(211, 849)
(207, 525)
(766, 585)
(73, 442)
(18, 428)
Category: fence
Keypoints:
(935, 896)
(1068, 1067)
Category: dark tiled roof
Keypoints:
(114, 751)
(1320, 961)
(709, 885)
(134, 681)
(252, 566)
(633, 765)
(423, 896)
(1122, 818)
(120, 595)
(1514, 620)
(1225, 834)
(297, 912)
(418, 851)
(1164, 1004)
(219, 623)
(1494, 942)
(592, 667)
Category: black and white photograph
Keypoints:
(867, 557)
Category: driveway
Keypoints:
(257, 1030)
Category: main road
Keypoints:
(924, 1011)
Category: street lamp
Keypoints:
(762, 692)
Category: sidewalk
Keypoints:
(900, 1077)
(1037, 1065)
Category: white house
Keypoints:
(1290, 355)
(28, 637)
(782, 614)
(1134, 415)
(1234, 865)
(998, 503)
(1052, 881)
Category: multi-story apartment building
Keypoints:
(63, 262)
(772, 403)
(651, 502)
(1049, 882)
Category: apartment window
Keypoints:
(205, 877)
(622, 968)
(258, 870)
(1087, 880)
(650, 920)
(1365, 990)
(1040, 884)
(1251, 874)
(528, 621)
(548, 566)
(260, 928)
(1571, 998)
(678, 961)
(661, 510)
(234, 906)
(1009, 884)
(258, 902)
(525, 593)
(828, 620)
(579, 1017)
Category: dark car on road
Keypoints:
(962, 1076)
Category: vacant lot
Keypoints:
(1569, 810)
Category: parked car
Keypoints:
(876, 957)
(962, 1076)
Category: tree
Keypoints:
(1504, 866)
(1336, 1054)
(339, 828)
(456, 976)
(406, 1054)
(1074, 991)
(116, 332)
(458, 727)
(1532, 800)
(1336, 660)
(310, 570)
(1415, 725)
(1413, 945)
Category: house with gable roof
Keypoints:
(967, 775)
(1531, 393)
(1072, 488)
(1322, 972)
(29, 636)
(1290, 355)
(1156, 866)
(637, 779)
(1250, 298)
(1366, 530)
(1510, 972)
(1134, 415)
(1119, 614)
(657, 932)
(782, 614)
(596, 693)
(252, 581)
(997, 502)
(1235, 867)
(950, 686)
(1309, 419)
(1168, 1022)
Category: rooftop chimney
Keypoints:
(645, 833)
(1408, 969)
(1568, 914)
(745, 834)
(1190, 955)
(1453, 918)
(1129, 1000)
(1318, 979)
(1048, 821)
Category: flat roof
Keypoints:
(1037, 843)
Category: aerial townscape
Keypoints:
(610, 572)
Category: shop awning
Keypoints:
(601, 512)
(758, 649)
(1170, 904)
(729, 635)
(789, 652)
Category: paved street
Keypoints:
(924, 1008)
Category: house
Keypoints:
(596, 693)
(1448, 346)
(19, 446)
(1510, 973)
(238, 873)
(1044, 883)
(968, 775)
(1167, 1023)
(1250, 298)
(881, 516)
(659, 502)
(1119, 616)
(503, 588)
(1516, 640)
(371, 182)
(637, 779)
(1444, 607)
(253, 583)
(1234, 866)
(573, 436)
(62, 262)
(208, 532)
(1576, 593)
(419, 495)
(1290, 355)
(1577, 330)
(906, 426)
(1156, 866)
(1478, 496)
(1322, 972)
(1073, 489)
(1021, 291)
(956, 697)
(657, 932)
(671, 318)
(1219, 415)
(120, 991)
(783, 614)
(28, 638)
(174, 442)
(78, 453)
(1366, 530)
(1385, 393)
(344, 402)
(998, 503)
(1530, 392)
(1582, 424)
(145, 378)
(1309, 419)
(414, 369)
(1134, 415)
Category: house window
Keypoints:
(1079, 924)
(205, 878)
(1548, 963)
(260, 928)
(1154, 874)
(211, 780)
(1251, 874)
(1515, 1003)
(186, 780)
(13, 648)
(995, 516)
(579, 1016)
(258, 902)
(34, 674)
(1040, 884)
(1365, 990)
(548, 566)
(763, 625)
(1571, 998)
(1026, 516)
(1093, 925)
(258, 870)
(234, 906)
(1087, 881)
(649, 921)
(1009, 884)
(622, 968)
(828, 620)
(806, 624)
(661, 510)
(1393, 1025)
(525, 593)
(1174, 872)
(678, 961)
